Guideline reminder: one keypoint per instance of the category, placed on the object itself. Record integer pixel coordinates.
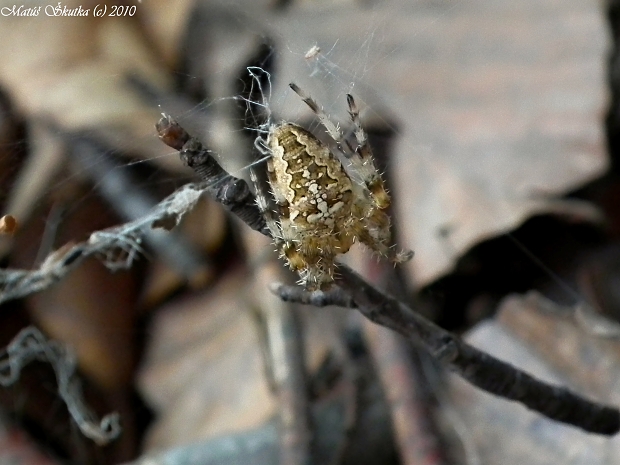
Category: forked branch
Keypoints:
(477, 367)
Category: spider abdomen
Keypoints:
(311, 179)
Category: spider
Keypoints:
(320, 207)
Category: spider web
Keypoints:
(309, 49)
(439, 177)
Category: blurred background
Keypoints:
(496, 126)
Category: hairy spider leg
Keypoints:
(374, 231)
(361, 158)
(263, 206)
(333, 130)
(378, 237)
(284, 244)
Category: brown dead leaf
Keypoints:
(164, 22)
(497, 106)
(581, 344)
(205, 227)
(92, 309)
(72, 71)
(203, 372)
(40, 170)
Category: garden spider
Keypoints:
(320, 208)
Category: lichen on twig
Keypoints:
(117, 247)
(31, 345)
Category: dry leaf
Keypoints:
(203, 372)
(72, 71)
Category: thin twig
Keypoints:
(334, 296)
(479, 368)
(287, 368)
(402, 387)
(286, 349)
(131, 201)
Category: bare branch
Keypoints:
(282, 345)
(417, 443)
(288, 372)
(30, 345)
(477, 367)
(334, 296)
(117, 246)
(132, 202)
(120, 245)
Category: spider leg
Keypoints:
(318, 272)
(374, 232)
(375, 240)
(363, 162)
(332, 129)
(361, 158)
(260, 144)
(271, 218)
(279, 222)
(266, 211)
(360, 217)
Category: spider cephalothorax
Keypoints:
(321, 209)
